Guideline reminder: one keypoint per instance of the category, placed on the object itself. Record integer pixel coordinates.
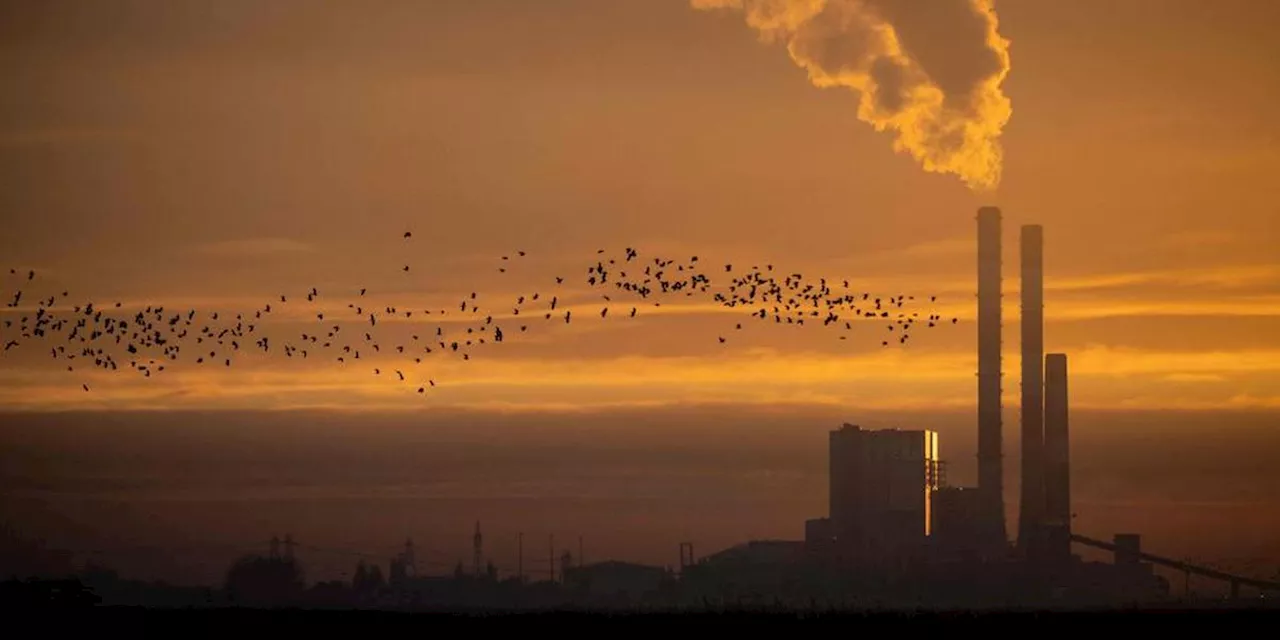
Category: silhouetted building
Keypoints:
(1128, 550)
(1133, 579)
(1031, 507)
(258, 581)
(26, 596)
(22, 558)
(403, 566)
(1057, 480)
(616, 583)
(960, 524)
(819, 535)
(990, 412)
(368, 579)
(882, 485)
(757, 553)
(757, 572)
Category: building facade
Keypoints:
(881, 492)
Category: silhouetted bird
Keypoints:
(150, 331)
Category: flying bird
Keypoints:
(789, 300)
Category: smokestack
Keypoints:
(990, 454)
(1031, 512)
(1057, 458)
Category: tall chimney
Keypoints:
(1031, 512)
(990, 454)
(1057, 458)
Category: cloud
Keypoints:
(1248, 400)
(1102, 360)
(1195, 378)
(1252, 306)
(1199, 238)
(1113, 377)
(1223, 276)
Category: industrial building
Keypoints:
(888, 500)
(896, 533)
(961, 525)
(893, 520)
(881, 493)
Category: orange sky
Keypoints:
(220, 154)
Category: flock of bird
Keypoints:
(147, 341)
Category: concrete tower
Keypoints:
(1057, 457)
(990, 421)
(1031, 507)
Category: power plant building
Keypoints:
(881, 492)
(886, 490)
(890, 506)
(961, 523)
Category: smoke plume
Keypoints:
(930, 71)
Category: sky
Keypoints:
(215, 156)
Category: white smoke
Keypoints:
(928, 70)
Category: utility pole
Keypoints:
(288, 546)
(520, 556)
(581, 560)
(551, 555)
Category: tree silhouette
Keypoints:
(260, 581)
(21, 557)
(40, 594)
(376, 581)
(360, 581)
